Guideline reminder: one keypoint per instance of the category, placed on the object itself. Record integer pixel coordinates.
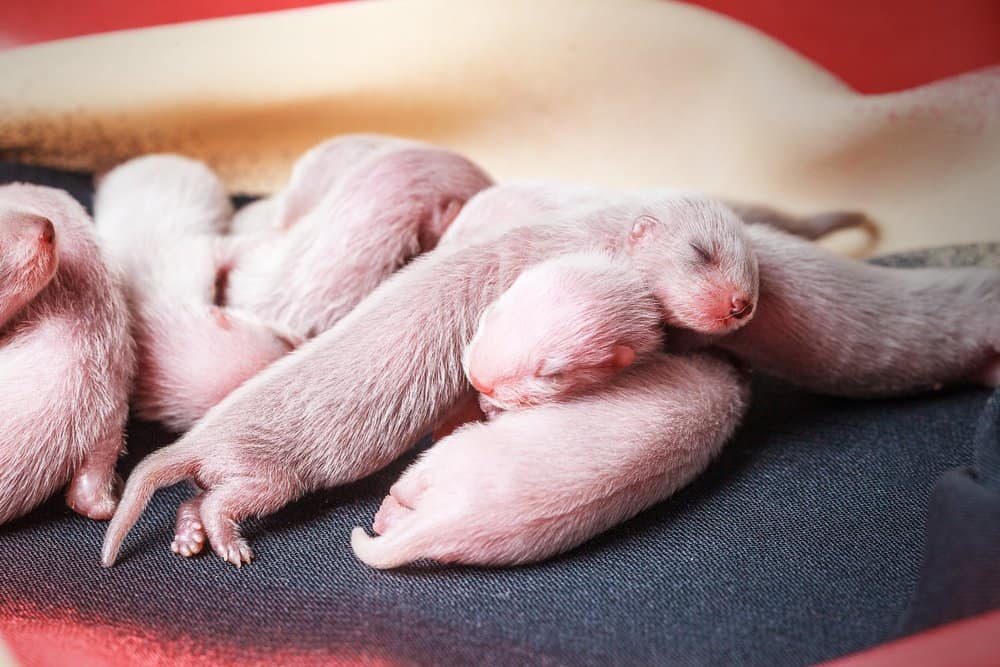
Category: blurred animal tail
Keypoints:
(167, 466)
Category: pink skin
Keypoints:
(565, 326)
(534, 483)
(161, 217)
(847, 328)
(390, 205)
(66, 357)
(348, 402)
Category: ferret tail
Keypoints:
(387, 551)
(163, 468)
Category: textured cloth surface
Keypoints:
(959, 576)
(802, 542)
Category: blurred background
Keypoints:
(875, 47)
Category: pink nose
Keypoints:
(35, 226)
(47, 234)
(741, 308)
(480, 386)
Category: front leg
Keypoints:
(96, 487)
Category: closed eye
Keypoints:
(702, 253)
(545, 369)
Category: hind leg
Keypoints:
(95, 487)
(189, 532)
(224, 507)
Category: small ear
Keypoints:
(431, 231)
(450, 212)
(641, 228)
(622, 356)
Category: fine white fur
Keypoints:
(848, 328)
(564, 326)
(534, 483)
(163, 218)
(357, 208)
(66, 361)
(355, 397)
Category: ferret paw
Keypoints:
(189, 533)
(237, 552)
(94, 494)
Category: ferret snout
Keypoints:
(483, 388)
(46, 232)
(740, 308)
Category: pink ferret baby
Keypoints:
(411, 333)
(162, 218)
(360, 394)
(533, 483)
(66, 357)
(358, 208)
(564, 326)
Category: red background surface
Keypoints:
(874, 45)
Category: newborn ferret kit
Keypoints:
(580, 354)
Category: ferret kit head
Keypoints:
(697, 260)
(564, 325)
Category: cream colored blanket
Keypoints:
(616, 93)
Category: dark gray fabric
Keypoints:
(960, 575)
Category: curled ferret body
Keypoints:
(534, 483)
(847, 328)
(357, 209)
(163, 219)
(354, 398)
(565, 326)
(66, 357)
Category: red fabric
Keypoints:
(29, 22)
(879, 46)
(970, 643)
(874, 46)
(57, 637)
